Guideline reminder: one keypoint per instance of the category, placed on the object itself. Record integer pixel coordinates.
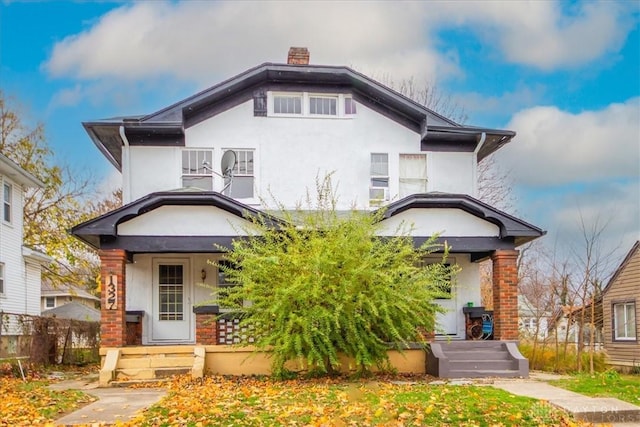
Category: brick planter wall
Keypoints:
(505, 295)
(206, 329)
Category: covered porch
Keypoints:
(173, 235)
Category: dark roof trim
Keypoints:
(99, 231)
(174, 118)
(623, 264)
(510, 226)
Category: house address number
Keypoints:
(112, 292)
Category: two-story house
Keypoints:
(286, 125)
(20, 266)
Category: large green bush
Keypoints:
(323, 284)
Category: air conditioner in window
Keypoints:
(378, 194)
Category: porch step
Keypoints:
(483, 364)
(476, 359)
(128, 365)
(149, 373)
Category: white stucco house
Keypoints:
(20, 266)
(287, 124)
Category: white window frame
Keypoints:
(7, 205)
(46, 302)
(630, 332)
(2, 281)
(206, 172)
(323, 96)
(354, 106)
(305, 99)
(271, 99)
(374, 201)
(426, 174)
(238, 173)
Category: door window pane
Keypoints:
(171, 290)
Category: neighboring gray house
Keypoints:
(55, 296)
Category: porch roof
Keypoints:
(511, 228)
(102, 232)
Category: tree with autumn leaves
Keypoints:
(66, 199)
(320, 284)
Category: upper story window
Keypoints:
(349, 106)
(305, 104)
(379, 180)
(287, 104)
(6, 201)
(243, 180)
(412, 174)
(197, 169)
(50, 302)
(624, 321)
(1, 278)
(323, 105)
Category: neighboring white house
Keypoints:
(288, 124)
(20, 266)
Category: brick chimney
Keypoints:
(298, 55)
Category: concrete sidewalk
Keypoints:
(113, 404)
(584, 408)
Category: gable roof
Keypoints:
(632, 252)
(166, 126)
(93, 232)
(48, 290)
(75, 311)
(9, 168)
(510, 227)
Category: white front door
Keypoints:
(447, 322)
(171, 301)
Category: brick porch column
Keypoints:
(505, 295)
(113, 323)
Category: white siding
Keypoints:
(19, 297)
(184, 221)
(447, 222)
(290, 153)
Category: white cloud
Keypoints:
(204, 41)
(540, 33)
(554, 147)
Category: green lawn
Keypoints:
(340, 402)
(604, 384)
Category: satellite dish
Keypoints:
(228, 163)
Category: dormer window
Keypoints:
(349, 106)
(323, 105)
(287, 104)
(197, 169)
(305, 104)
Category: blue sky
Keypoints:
(564, 75)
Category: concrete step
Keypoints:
(478, 355)
(155, 361)
(471, 345)
(136, 374)
(482, 365)
(483, 373)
